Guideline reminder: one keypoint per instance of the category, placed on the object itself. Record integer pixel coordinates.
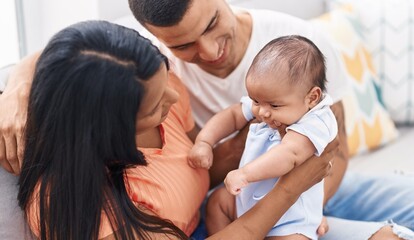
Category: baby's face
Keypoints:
(275, 101)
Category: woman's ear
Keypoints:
(313, 97)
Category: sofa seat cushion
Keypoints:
(396, 157)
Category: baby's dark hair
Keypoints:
(305, 62)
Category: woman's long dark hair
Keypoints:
(80, 134)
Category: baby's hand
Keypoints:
(201, 155)
(235, 180)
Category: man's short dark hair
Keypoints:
(161, 13)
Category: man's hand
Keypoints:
(13, 113)
(201, 155)
(235, 181)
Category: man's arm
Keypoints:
(340, 160)
(192, 134)
(13, 112)
(256, 223)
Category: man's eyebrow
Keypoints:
(207, 28)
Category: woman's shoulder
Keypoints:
(181, 109)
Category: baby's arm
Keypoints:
(293, 150)
(218, 127)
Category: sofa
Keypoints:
(379, 104)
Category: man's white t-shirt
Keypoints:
(210, 94)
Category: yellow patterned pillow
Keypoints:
(368, 124)
(388, 28)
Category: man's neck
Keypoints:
(243, 33)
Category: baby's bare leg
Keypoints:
(220, 210)
(289, 237)
(385, 233)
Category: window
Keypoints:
(9, 44)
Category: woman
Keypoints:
(100, 90)
(88, 87)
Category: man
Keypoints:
(211, 48)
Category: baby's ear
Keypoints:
(313, 97)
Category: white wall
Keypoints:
(43, 18)
(113, 9)
(9, 47)
(301, 8)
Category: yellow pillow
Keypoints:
(368, 124)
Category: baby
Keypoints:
(285, 85)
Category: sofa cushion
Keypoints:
(396, 157)
(368, 124)
(12, 223)
(388, 30)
